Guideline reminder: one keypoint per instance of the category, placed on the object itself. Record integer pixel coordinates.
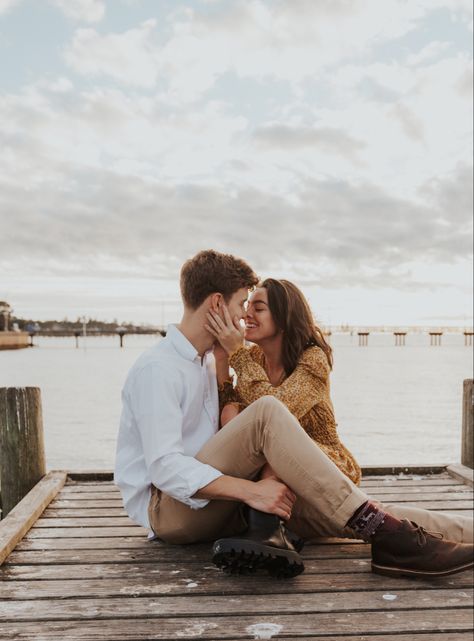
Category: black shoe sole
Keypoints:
(242, 556)
(419, 574)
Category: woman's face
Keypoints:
(259, 324)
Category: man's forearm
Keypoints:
(227, 488)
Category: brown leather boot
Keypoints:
(412, 551)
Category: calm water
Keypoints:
(395, 405)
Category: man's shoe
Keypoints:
(412, 551)
(265, 545)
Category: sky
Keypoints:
(325, 141)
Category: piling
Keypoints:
(399, 338)
(435, 338)
(121, 331)
(22, 459)
(468, 338)
(363, 339)
(467, 447)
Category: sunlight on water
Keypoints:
(395, 405)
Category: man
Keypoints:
(189, 481)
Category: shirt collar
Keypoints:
(181, 343)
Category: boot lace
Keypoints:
(423, 534)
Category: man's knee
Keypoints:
(269, 403)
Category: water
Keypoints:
(394, 405)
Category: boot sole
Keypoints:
(241, 556)
(421, 574)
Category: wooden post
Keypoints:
(363, 339)
(22, 460)
(121, 332)
(399, 338)
(467, 448)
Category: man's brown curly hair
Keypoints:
(209, 272)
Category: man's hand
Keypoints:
(273, 497)
(228, 332)
(267, 495)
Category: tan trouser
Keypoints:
(267, 431)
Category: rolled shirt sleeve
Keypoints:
(156, 405)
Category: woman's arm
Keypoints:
(304, 388)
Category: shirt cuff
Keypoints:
(203, 480)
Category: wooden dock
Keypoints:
(86, 571)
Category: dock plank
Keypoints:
(240, 627)
(213, 582)
(150, 607)
(157, 552)
(86, 571)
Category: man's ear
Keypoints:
(216, 302)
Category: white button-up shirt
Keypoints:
(170, 409)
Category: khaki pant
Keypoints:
(267, 431)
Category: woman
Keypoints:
(291, 360)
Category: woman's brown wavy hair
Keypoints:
(292, 314)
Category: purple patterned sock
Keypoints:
(367, 519)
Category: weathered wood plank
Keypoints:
(78, 488)
(440, 506)
(368, 471)
(242, 627)
(129, 607)
(91, 496)
(462, 473)
(403, 470)
(136, 543)
(60, 504)
(125, 542)
(424, 490)
(70, 513)
(23, 516)
(86, 532)
(166, 571)
(155, 552)
(439, 479)
(85, 521)
(210, 581)
(59, 507)
(116, 518)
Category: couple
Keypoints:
(268, 470)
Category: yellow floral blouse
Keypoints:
(305, 392)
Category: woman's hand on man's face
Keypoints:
(227, 331)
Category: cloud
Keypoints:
(263, 129)
(347, 233)
(128, 57)
(289, 42)
(83, 10)
(325, 138)
(411, 125)
(6, 5)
